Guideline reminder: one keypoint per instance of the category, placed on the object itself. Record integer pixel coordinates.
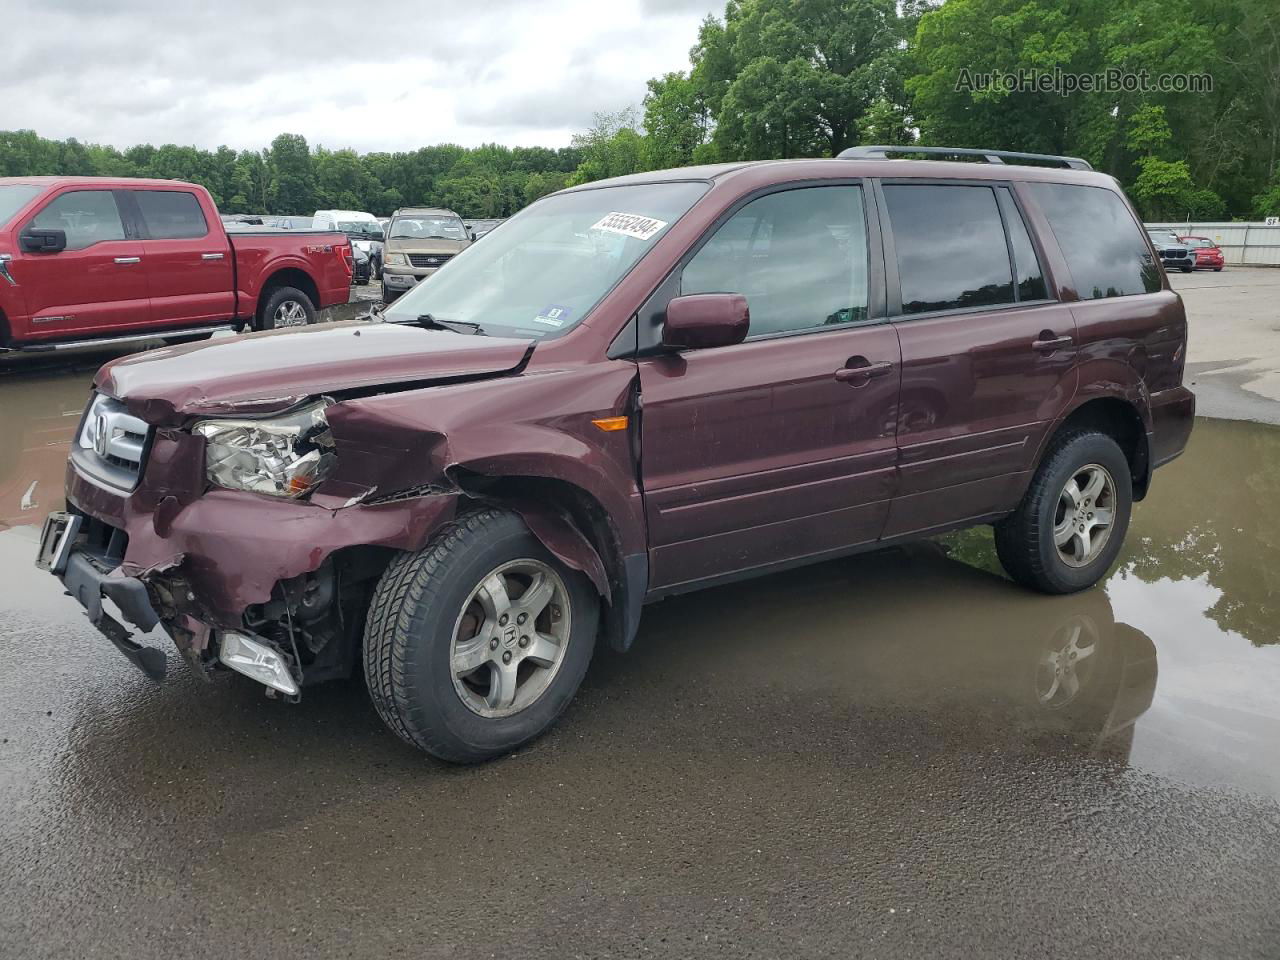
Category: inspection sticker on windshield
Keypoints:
(630, 225)
(552, 316)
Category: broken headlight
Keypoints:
(282, 457)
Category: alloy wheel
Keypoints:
(510, 638)
(290, 313)
(1084, 516)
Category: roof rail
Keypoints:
(991, 156)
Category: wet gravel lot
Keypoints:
(895, 755)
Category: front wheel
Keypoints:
(1071, 523)
(286, 307)
(475, 644)
(1187, 269)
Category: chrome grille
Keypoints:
(112, 443)
(429, 259)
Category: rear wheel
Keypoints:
(476, 644)
(1071, 523)
(286, 307)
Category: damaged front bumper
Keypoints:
(90, 577)
(194, 569)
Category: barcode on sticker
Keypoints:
(630, 225)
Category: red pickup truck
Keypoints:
(94, 259)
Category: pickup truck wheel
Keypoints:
(475, 644)
(286, 307)
(1071, 523)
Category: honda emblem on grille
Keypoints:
(101, 434)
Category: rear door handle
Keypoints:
(128, 259)
(1050, 342)
(861, 373)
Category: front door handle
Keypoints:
(859, 373)
(128, 259)
(1049, 343)
(210, 256)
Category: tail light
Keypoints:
(347, 258)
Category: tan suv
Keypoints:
(420, 240)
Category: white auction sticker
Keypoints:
(630, 225)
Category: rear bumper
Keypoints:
(1172, 415)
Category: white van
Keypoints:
(363, 229)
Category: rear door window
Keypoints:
(88, 217)
(1100, 240)
(950, 247)
(171, 214)
(798, 256)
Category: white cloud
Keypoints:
(381, 76)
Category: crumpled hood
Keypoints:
(266, 372)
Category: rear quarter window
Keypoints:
(1102, 243)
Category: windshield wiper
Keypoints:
(431, 323)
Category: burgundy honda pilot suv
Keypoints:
(633, 389)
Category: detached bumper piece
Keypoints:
(89, 578)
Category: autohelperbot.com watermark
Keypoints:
(1064, 83)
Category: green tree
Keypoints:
(611, 148)
(291, 186)
(787, 78)
(677, 121)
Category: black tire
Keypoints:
(389, 296)
(409, 633)
(1187, 269)
(1024, 540)
(1217, 269)
(278, 298)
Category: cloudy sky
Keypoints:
(370, 75)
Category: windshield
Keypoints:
(1163, 236)
(427, 228)
(548, 266)
(13, 198)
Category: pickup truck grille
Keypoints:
(429, 259)
(112, 443)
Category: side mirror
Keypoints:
(704, 320)
(43, 241)
(471, 235)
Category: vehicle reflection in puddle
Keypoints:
(1199, 575)
(927, 645)
(38, 416)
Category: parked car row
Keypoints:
(1186, 253)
